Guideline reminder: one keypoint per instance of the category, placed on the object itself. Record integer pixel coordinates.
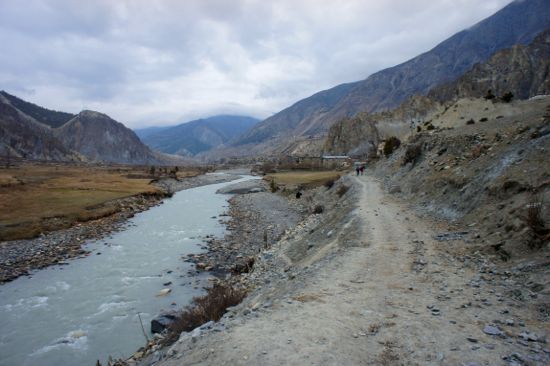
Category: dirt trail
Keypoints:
(394, 298)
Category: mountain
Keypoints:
(148, 131)
(517, 23)
(100, 138)
(24, 137)
(46, 116)
(522, 70)
(192, 138)
(88, 136)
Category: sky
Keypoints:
(162, 62)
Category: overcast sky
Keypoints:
(157, 62)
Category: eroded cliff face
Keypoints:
(357, 136)
(360, 136)
(522, 70)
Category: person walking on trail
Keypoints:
(357, 169)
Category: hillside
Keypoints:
(21, 136)
(517, 23)
(46, 116)
(192, 138)
(521, 70)
(100, 138)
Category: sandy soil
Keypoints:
(392, 295)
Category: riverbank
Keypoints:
(20, 257)
(345, 285)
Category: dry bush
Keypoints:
(329, 183)
(203, 309)
(470, 121)
(342, 190)
(318, 209)
(391, 145)
(412, 154)
(539, 232)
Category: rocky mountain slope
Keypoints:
(46, 116)
(88, 136)
(517, 23)
(192, 138)
(21, 136)
(100, 138)
(521, 70)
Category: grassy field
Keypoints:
(38, 198)
(305, 179)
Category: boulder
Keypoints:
(162, 321)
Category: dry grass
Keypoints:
(203, 309)
(306, 179)
(39, 198)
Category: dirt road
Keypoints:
(396, 296)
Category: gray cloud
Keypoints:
(148, 62)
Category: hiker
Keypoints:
(361, 169)
(357, 170)
(298, 194)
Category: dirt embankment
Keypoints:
(19, 257)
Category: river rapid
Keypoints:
(87, 310)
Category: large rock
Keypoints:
(162, 321)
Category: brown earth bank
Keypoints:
(19, 257)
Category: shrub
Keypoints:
(507, 97)
(329, 183)
(489, 95)
(342, 191)
(318, 209)
(203, 309)
(430, 127)
(484, 119)
(273, 186)
(534, 220)
(391, 145)
(470, 121)
(412, 154)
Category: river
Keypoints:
(87, 310)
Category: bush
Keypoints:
(489, 95)
(418, 129)
(342, 191)
(430, 127)
(412, 154)
(391, 145)
(273, 186)
(507, 97)
(470, 121)
(203, 309)
(329, 183)
(484, 119)
(538, 232)
(318, 209)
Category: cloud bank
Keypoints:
(154, 62)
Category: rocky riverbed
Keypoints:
(255, 222)
(20, 257)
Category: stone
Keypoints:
(473, 340)
(492, 330)
(163, 321)
(164, 292)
